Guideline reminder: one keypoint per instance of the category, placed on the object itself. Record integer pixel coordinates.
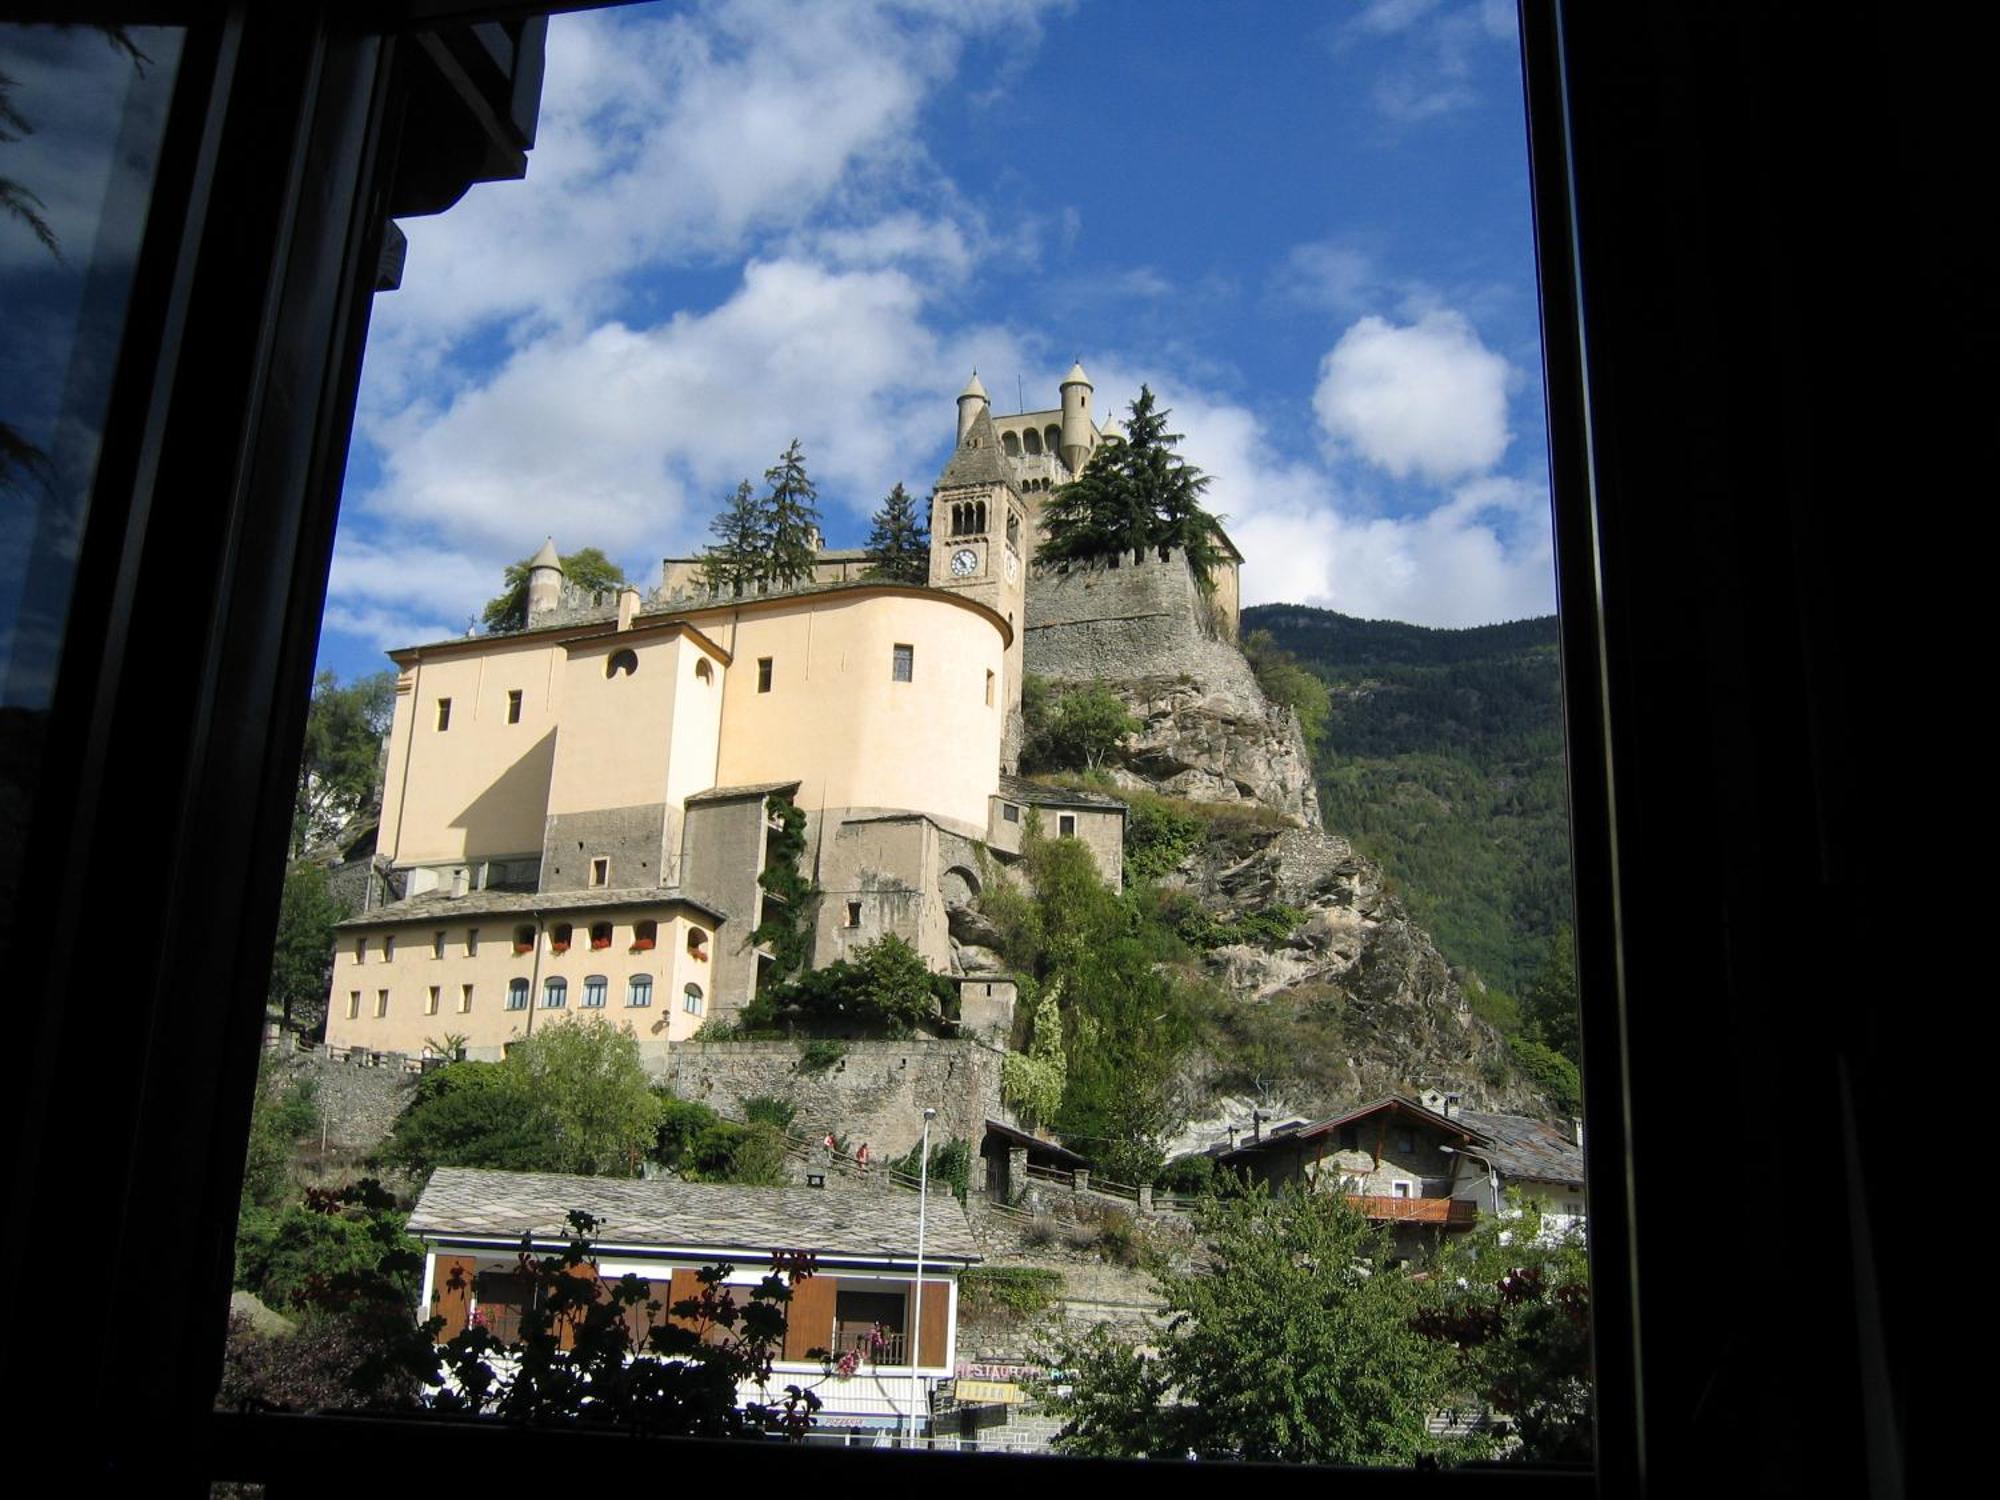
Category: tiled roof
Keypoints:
(1457, 1125)
(1020, 789)
(1521, 1147)
(1049, 1150)
(745, 1222)
(443, 906)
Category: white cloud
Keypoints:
(1425, 398)
(1437, 52)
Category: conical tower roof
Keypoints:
(974, 388)
(977, 460)
(546, 558)
(1076, 376)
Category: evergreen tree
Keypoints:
(792, 513)
(900, 542)
(734, 562)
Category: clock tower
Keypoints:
(981, 537)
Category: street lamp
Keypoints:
(1492, 1172)
(917, 1319)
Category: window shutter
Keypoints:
(932, 1335)
(451, 1293)
(566, 1330)
(685, 1286)
(809, 1321)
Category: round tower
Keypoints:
(1076, 429)
(545, 580)
(971, 402)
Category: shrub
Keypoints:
(1119, 1239)
(1188, 1176)
(769, 1109)
(1010, 1291)
(820, 1054)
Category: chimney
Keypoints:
(1451, 1106)
(628, 605)
(1576, 1131)
(1256, 1125)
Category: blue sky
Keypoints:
(1305, 225)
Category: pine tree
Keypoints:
(737, 558)
(900, 542)
(793, 517)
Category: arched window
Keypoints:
(517, 994)
(595, 988)
(979, 517)
(697, 945)
(703, 672)
(644, 935)
(600, 934)
(559, 937)
(524, 939)
(1011, 443)
(1032, 441)
(555, 992)
(639, 990)
(1052, 438)
(691, 1001)
(625, 660)
(1013, 529)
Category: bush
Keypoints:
(951, 1163)
(886, 985)
(769, 1109)
(820, 1054)
(1188, 1176)
(1119, 1239)
(1012, 1292)
(1158, 835)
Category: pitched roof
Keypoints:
(1524, 1147)
(748, 789)
(1020, 789)
(720, 1218)
(978, 460)
(1456, 1125)
(442, 905)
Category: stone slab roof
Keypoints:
(1523, 1147)
(979, 460)
(442, 905)
(748, 789)
(1020, 789)
(747, 1223)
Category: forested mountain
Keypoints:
(1442, 759)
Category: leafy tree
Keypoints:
(1555, 1075)
(900, 540)
(473, 1114)
(1512, 1301)
(1132, 495)
(587, 1083)
(1292, 1343)
(302, 956)
(1086, 726)
(792, 512)
(282, 1112)
(294, 1257)
(339, 766)
(736, 560)
(698, 1145)
(1032, 1082)
(588, 569)
(1290, 683)
(886, 983)
(1159, 834)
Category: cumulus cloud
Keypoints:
(1425, 398)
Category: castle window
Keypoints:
(854, 914)
(600, 934)
(517, 994)
(703, 672)
(524, 939)
(513, 705)
(639, 991)
(472, 942)
(1014, 528)
(1052, 439)
(1065, 825)
(389, 948)
(600, 871)
(381, 1003)
(979, 517)
(1011, 443)
(697, 945)
(354, 1005)
(903, 664)
(559, 937)
(361, 950)
(465, 999)
(1009, 813)
(444, 714)
(431, 1001)
(595, 988)
(437, 945)
(645, 935)
(555, 992)
(763, 674)
(989, 689)
(625, 660)
(691, 999)
(1032, 441)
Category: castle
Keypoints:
(577, 813)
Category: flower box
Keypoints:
(640, 945)
(558, 947)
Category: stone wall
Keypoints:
(876, 1093)
(358, 1105)
(1145, 618)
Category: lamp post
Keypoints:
(917, 1319)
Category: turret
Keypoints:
(545, 580)
(971, 402)
(1076, 429)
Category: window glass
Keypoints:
(555, 992)
(639, 990)
(517, 994)
(691, 1001)
(902, 665)
(595, 987)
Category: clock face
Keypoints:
(1013, 567)
(963, 561)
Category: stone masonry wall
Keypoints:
(876, 1093)
(357, 1104)
(1144, 618)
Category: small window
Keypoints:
(763, 674)
(989, 689)
(902, 666)
(381, 1003)
(517, 994)
(437, 945)
(465, 999)
(389, 948)
(645, 935)
(361, 950)
(600, 871)
(1399, 1189)
(600, 934)
(559, 937)
(625, 661)
(639, 991)
(431, 1001)
(691, 1000)
(1065, 825)
(703, 672)
(1009, 813)
(524, 939)
(698, 945)
(595, 988)
(1406, 1141)
(472, 942)
(444, 714)
(354, 1005)
(513, 705)
(854, 914)
(555, 992)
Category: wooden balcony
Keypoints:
(1446, 1213)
